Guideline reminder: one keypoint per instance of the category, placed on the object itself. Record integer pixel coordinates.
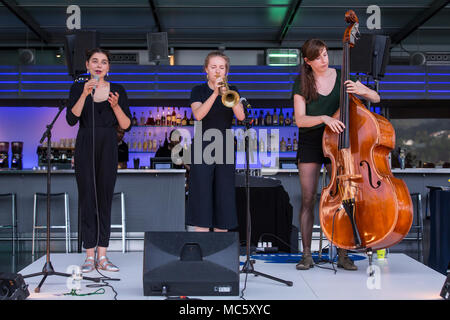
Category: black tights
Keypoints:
(309, 178)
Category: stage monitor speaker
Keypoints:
(75, 47)
(157, 44)
(445, 292)
(370, 55)
(13, 287)
(191, 264)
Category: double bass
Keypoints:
(363, 207)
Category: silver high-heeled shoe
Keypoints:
(89, 265)
(106, 264)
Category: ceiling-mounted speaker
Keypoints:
(75, 47)
(417, 59)
(27, 56)
(158, 48)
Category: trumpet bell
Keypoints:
(230, 98)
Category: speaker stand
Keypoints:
(248, 265)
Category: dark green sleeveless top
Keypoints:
(323, 105)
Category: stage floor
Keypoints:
(397, 277)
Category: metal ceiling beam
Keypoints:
(419, 20)
(155, 15)
(292, 12)
(27, 19)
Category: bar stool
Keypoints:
(418, 226)
(66, 226)
(13, 225)
(121, 226)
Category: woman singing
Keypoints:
(99, 106)
(211, 202)
(316, 98)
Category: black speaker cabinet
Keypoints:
(76, 45)
(191, 264)
(13, 287)
(157, 44)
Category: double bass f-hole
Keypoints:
(333, 193)
(369, 171)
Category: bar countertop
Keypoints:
(120, 171)
(394, 171)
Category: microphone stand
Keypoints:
(48, 269)
(248, 265)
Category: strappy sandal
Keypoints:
(106, 264)
(89, 265)
(306, 262)
(345, 262)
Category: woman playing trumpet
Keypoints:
(211, 202)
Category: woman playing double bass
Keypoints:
(316, 95)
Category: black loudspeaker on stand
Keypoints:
(248, 267)
(75, 47)
(48, 269)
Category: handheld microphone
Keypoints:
(245, 103)
(96, 77)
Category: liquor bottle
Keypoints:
(268, 120)
(274, 118)
(255, 142)
(134, 147)
(283, 145)
(174, 117)
(163, 118)
(191, 120)
(184, 122)
(293, 118)
(261, 118)
(261, 145)
(287, 120)
(154, 145)
(134, 121)
(145, 144)
(158, 118)
(139, 144)
(150, 120)
(149, 142)
(166, 142)
(255, 119)
(179, 117)
(289, 145)
(142, 120)
(281, 117)
(295, 144)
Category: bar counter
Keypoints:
(154, 199)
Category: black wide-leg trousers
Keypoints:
(102, 166)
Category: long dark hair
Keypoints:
(311, 50)
(90, 53)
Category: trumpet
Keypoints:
(230, 97)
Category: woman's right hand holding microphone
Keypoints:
(89, 86)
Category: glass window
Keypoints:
(426, 142)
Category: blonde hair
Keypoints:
(217, 54)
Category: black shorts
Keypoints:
(310, 147)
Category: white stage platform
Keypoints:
(397, 277)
